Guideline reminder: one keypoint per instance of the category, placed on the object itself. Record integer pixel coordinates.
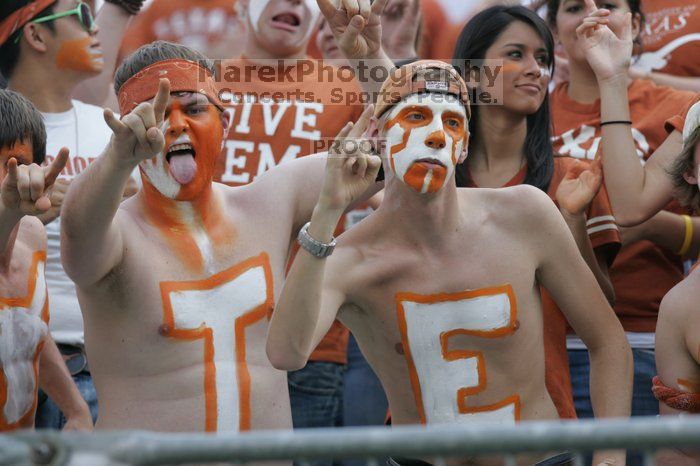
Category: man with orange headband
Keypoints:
(177, 284)
(28, 355)
(441, 286)
(49, 49)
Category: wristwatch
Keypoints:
(315, 248)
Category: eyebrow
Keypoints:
(523, 46)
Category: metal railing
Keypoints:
(141, 448)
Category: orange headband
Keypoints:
(184, 76)
(404, 81)
(19, 18)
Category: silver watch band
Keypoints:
(315, 248)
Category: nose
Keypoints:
(177, 123)
(533, 67)
(436, 140)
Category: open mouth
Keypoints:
(287, 21)
(181, 161)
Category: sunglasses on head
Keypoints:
(81, 10)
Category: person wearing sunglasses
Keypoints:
(49, 49)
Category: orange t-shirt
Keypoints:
(290, 112)
(604, 236)
(643, 272)
(17, 404)
(439, 34)
(197, 24)
(671, 37)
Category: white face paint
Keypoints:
(257, 7)
(158, 173)
(424, 168)
(424, 322)
(21, 331)
(224, 304)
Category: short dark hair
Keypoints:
(20, 120)
(154, 52)
(687, 194)
(9, 51)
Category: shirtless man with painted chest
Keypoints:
(441, 286)
(177, 284)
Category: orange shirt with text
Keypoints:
(281, 113)
(604, 236)
(671, 37)
(643, 272)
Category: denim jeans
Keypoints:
(316, 396)
(643, 401)
(48, 416)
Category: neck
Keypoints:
(423, 220)
(256, 53)
(46, 88)
(165, 212)
(583, 84)
(493, 151)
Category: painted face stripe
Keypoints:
(442, 380)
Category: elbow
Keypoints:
(631, 218)
(285, 360)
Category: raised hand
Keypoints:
(351, 167)
(579, 186)
(608, 55)
(356, 25)
(26, 188)
(139, 135)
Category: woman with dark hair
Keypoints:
(601, 111)
(510, 144)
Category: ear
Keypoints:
(226, 122)
(372, 133)
(465, 150)
(36, 37)
(636, 25)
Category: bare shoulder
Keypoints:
(523, 204)
(32, 233)
(680, 303)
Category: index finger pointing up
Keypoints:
(160, 103)
(590, 6)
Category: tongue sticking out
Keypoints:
(183, 168)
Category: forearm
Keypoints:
(294, 326)
(577, 226)
(112, 21)
(378, 65)
(668, 230)
(9, 219)
(686, 83)
(58, 384)
(634, 193)
(611, 377)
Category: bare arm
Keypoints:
(636, 192)
(686, 83)
(357, 28)
(564, 273)
(91, 237)
(311, 296)
(58, 384)
(112, 21)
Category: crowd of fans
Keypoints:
(136, 294)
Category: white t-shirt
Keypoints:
(86, 141)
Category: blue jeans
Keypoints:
(48, 416)
(643, 401)
(364, 403)
(316, 396)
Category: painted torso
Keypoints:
(178, 344)
(454, 336)
(24, 315)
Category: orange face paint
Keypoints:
(426, 136)
(22, 151)
(78, 55)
